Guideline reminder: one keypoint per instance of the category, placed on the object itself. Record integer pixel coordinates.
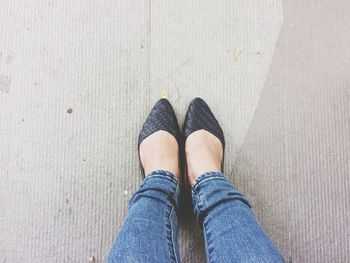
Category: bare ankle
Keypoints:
(204, 153)
(160, 152)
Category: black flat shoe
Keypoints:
(200, 117)
(162, 117)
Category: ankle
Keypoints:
(204, 153)
(160, 152)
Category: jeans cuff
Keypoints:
(158, 182)
(162, 174)
(207, 175)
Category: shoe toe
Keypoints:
(161, 117)
(198, 117)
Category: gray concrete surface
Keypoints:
(77, 80)
(295, 162)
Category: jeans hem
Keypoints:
(163, 174)
(205, 176)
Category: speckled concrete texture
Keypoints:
(78, 78)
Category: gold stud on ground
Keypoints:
(164, 95)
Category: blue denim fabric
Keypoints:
(149, 233)
(231, 232)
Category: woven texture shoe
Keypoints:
(200, 117)
(162, 117)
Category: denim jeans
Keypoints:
(231, 231)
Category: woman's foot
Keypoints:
(204, 140)
(159, 138)
(160, 151)
(204, 153)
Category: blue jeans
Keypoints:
(231, 231)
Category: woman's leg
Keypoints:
(149, 233)
(231, 231)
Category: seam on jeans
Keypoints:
(208, 238)
(200, 208)
(174, 199)
(196, 206)
(170, 232)
(172, 209)
(172, 239)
